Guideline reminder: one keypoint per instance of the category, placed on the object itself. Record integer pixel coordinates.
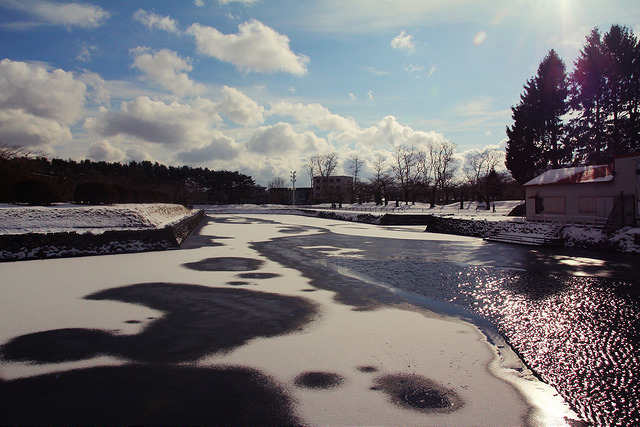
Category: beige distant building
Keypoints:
(332, 189)
(588, 192)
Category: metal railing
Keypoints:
(593, 221)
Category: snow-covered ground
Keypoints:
(82, 219)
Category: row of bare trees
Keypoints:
(430, 173)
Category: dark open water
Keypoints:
(574, 317)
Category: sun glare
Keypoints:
(480, 38)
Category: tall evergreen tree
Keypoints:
(536, 140)
(605, 94)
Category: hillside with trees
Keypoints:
(585, 117)
(34, 179)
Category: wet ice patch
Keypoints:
(225, 264)
(197, 321)
(318, 380)
(418, 393)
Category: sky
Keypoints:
(259, 86)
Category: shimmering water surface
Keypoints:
(577, 331)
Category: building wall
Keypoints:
(334, 189)
(588, 199)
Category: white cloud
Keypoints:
(411, 68)
(256, 47)
(85, 53)
(66, 14)
(167, 69)
(153, 20)
(388, 134)
(378, 72)
(353, 97)
(404, 41)
(281, 138)
(98, 92)
(221, 147)
(18, 127)
(54, 95)
(370, 95)
(313, 115)
(240, 108)
(137, 154)
(174, 124)
(103, 151)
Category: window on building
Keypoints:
(330, 179)
(337, 179)
(554, 205)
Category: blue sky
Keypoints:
(258, 86)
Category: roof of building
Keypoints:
(574, 175)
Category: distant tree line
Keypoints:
(585, 117)
(431, 174)
(32, 178)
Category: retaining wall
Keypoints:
(57, 245)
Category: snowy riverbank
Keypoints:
(70, 230)
(471, 220)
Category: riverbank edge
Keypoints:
(30, 246)
(583, 237)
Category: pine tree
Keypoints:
(536, 140)
(605, 94)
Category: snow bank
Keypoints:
(93, 219)
(65, 231)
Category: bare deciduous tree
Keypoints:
(322, 165)
(354, 168)
(443, 165)
(404, 168)
(10, 152)
(477, 168)
(380, 180)
(278, 182)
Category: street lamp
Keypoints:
(293, 181)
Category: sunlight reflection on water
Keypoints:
(580, 334)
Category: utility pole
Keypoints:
(293, 192)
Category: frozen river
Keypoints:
(274, 319)
(573, 316)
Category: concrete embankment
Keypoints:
(67, 244)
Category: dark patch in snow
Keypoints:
(147, 395)
(294, 229)
(258, 275)
(239, 283)
(225, 264)
(318, 380)
(418, 393)
(198, 321)
(367, 369)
